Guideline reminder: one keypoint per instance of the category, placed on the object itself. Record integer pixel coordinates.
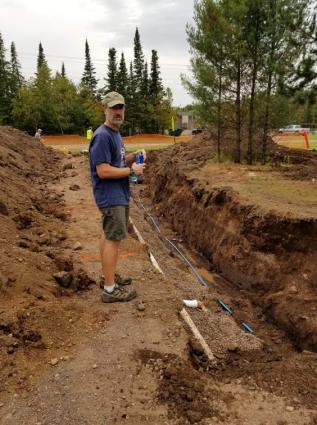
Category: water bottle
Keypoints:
(133, 178)
(139, 158)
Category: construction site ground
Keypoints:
(67, 358)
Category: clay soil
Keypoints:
(66, 358)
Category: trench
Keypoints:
(265, 257)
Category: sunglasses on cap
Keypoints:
(116, 107)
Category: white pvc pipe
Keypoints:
(198, 335)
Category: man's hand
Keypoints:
(138, 169)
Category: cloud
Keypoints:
(161, 25)
(62, 27)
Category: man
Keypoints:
(110, 171)
(89, 134)
(38, 134)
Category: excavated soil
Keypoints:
(66, 358)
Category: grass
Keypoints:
(262, 186)
(296, 141)
(271, 188)
(129, 149)
(147, 148)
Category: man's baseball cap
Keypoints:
(112, 99)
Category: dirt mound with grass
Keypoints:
(263, 242)
(33, 248)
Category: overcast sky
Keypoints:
(63, 25)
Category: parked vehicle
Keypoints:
(295, 128)
(197, 130)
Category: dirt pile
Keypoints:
(33, 247)
(269, 253)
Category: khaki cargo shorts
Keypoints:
(115, 222)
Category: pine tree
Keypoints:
(145, 82)
(122, 78)
(41, 60)
(4, 85)
(63, 73)
(242, 51)
(156, 93)
(138, 62)
(88, 79)
(131, 111)
(15, 67)
(156, 87)
(111, 80)
(144, 102)
(15, 80)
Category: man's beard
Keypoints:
(117, 120)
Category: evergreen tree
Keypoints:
(255, 39)
(111, 80)
(208, 39)
(144, 102)
(130, 116)
(15, 67)
(63, 74)
(138, 62)
(41, 60)
(145, 82)
(88, 79)
(138, 72)
(248, 47)
(15, 78)
(122, 77)
(156, 93)
(4, 85)
(155, 86)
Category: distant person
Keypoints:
(89, 134)
(110, 171)
(38, 134)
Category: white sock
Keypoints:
(109, 289)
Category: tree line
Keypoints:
(57, 105)
(254, 67)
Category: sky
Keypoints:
(62, 27)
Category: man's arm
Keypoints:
(107, 171)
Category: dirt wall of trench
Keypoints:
(273, 256)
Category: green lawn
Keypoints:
(147, 148)
(272, 188)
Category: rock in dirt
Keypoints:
(74, 187)
(63, 278)
(3, 209)
(82, 281)
(77, 246)
(233, 348)
(68, 166)
(54, 362)
(141, 306)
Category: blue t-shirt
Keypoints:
(107, 147)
